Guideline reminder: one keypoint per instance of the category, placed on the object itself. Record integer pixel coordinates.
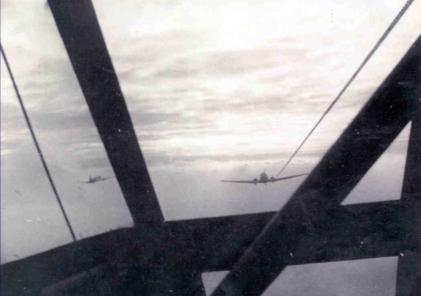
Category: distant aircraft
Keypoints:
(264, 179)
(95, 179)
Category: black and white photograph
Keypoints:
(210, 148)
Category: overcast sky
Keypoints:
(216, 90)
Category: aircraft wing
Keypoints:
(287, 177)
(240, 181)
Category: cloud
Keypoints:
(213, 89)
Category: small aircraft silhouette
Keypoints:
(264, 179)
(95, 179)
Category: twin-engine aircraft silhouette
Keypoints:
(263, 179)
(95, 179)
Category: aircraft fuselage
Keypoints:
(264, 178)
